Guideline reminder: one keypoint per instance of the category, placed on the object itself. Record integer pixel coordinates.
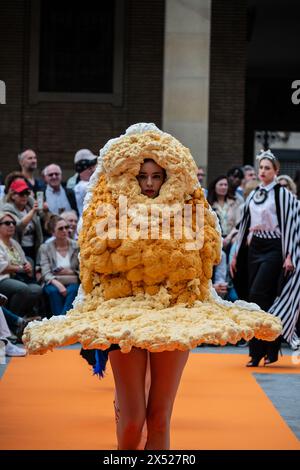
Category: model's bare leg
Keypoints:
(129, 373)
(166, 371)
(143, 441)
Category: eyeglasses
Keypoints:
(24, 193)
(65, 227)
(54, 174)
(8, 222)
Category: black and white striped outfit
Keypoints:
(286, 306)
(270, 235)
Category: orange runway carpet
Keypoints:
(54, 402)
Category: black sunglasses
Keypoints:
(65, 227)
(8, 222)
(24, 193)
(53, 174)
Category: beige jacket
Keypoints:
(47, 259)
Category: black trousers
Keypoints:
(264, 268)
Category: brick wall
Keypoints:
(227, 86)
(57, 130)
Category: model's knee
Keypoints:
(159, 420)
(131, 428)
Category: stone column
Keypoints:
(186, 74)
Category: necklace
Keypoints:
(260, 196)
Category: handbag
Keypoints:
(67, 279)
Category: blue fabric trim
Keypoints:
(100, 365)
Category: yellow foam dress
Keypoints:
(141, 284)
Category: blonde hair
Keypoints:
(250, 186)
(290, 183)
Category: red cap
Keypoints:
(18, 186)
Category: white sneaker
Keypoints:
(12, 350)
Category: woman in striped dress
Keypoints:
(269, 248)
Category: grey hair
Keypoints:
(22, 154)
(248, 168)
(71, 212)
(44, 172)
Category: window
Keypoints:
(76, 51)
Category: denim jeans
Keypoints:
(13, 320)
(61, 304)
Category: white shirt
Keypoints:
(63, 261)
(264, 216)
(57, 200)
(80, 192)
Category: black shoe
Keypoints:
(269, 361)
(254, 362)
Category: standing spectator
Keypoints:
(83, 154)
(235, 177)
(297, 183)
(249, 175)
(58, 198)
(2, 188)
(60, 267)
(85, 164)
(226, 207)
(25, 210)
(200, 176)
(28, 164)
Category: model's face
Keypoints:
(266, 172)
(221, 187)
(150, 178)
(29, 161)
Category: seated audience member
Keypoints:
(25, 210)
(60, 267)
(71, 219)
(5, 333)
(16, 273)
